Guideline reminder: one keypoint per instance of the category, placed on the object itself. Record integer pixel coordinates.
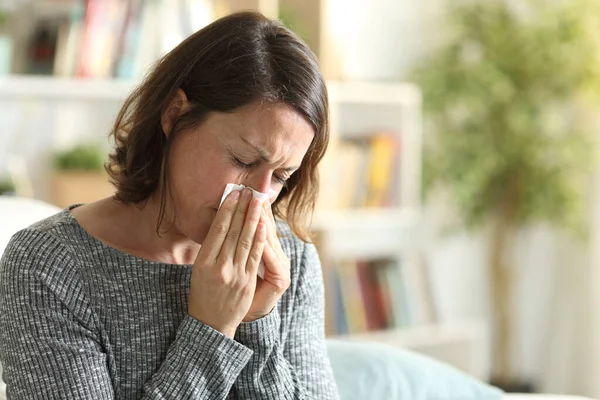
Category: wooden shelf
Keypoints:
(59, 87)
(423, 336)
(374, 93)
(366, 233)
(352, 218)
(56, 88)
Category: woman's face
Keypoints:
(258, 146)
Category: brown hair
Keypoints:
(235, 61)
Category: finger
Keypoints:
(275, 273)
(272, 231)
(269, 214)
(220, 226)
(267, 293)
(275, 236)
(246, 240)
(271, 238)
(274, 254)
(268, 218)
(237, 223)
(270, 258)
(258, 248)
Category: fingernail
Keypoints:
(235, 195)
(246, 194)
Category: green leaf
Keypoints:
(80, 158)
(500, 98)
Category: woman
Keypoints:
(153, 293)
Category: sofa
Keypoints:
(378, 371)
(362, 370)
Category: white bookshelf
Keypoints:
(317, 19)
(39, 115)
(44, 88)
(365, 108)
(360, 109)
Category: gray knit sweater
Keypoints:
(80, 320)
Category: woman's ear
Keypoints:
(177, 106)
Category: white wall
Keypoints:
(590, 355)
(380, 39)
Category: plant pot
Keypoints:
(6, 49)
(71, 187)
(515, 386)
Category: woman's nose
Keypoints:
(261, 182)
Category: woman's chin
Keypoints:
(198, 234)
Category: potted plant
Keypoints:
(6, 47)
(502, 97)
(79, 176)
(7, 187)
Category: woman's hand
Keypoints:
(277, 271)
(224, 275)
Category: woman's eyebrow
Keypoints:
(264, 155)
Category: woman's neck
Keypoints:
(132, 229)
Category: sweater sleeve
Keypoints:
(300, 368)
(50, 347)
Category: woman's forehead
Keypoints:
(259, 123)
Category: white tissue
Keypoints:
(232, 186)
(263, 196)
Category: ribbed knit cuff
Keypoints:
(204, 338)
(260, 334)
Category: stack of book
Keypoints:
(375, 295)
(122, 38)
(363, 172)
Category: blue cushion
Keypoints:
(378, 371)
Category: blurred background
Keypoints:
(459, 213)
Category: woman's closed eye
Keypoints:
(280, 180)
(249, 165)
(243, 164)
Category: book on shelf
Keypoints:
(122, 38)
(362, 172)
(375, 308)
(353, 305)
(374, 295)
(335, 315)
